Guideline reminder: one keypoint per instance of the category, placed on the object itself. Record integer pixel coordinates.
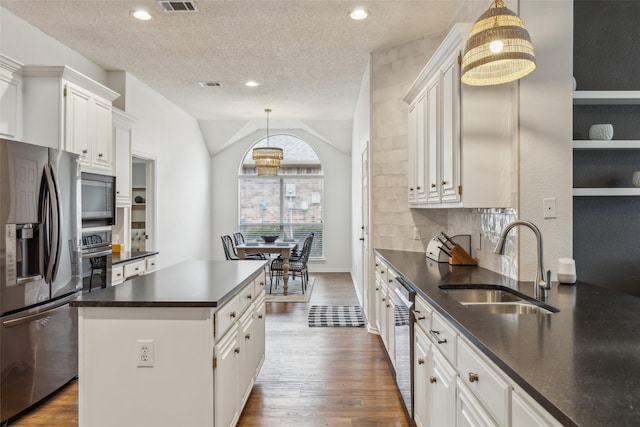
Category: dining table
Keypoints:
(282, 248)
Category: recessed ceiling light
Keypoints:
(358, 14)
(251, 83)
(141, 15)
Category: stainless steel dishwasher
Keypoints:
(404, 298)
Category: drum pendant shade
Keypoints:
(267, 158)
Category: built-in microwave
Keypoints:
(98, 199)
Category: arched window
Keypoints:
(289, 205)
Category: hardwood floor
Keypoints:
(311, 376)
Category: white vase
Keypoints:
(601, 132)
(636, 179)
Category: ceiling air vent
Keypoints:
(210, 84)
(178, 6)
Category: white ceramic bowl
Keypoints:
(601, 132)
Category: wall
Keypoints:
(337, 190)
(162, 130)
(542, 153)
(606, 229)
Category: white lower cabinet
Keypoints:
(457, 385)
(526, 412)
(117, 275)
(469, 411)
(239, 353)
(227, 355)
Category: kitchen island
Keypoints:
(580, 364)
(179, 346)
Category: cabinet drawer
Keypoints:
(247, 295)
(381, 270)
(259, 284)
(226, 316)
(134, 269)
(443, 336)
(423, 314)
(484, 381)
(117, 275)
(150, 264)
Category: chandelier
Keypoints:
(498, 50)
(267, 158)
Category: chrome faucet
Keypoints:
(542, 282)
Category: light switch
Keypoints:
(549, 208)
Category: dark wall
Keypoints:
(606, 230)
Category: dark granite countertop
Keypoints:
(122, 257)
(188, 284)
(582, 364)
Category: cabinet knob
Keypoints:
(260, 316)
(261, 283)
(433, 186)
(377, 289)
(432, 379)
(444, 182)
(420, 361)
(232, 314)
(388, 305)
(99, 154)
(384, 299)
(473, 377)
(249, 296)
(236, 350)
(247, 337)
(410, 189)
(421, 317)
(390, 280)
(419, 188)
(85, 151)
(117, 192)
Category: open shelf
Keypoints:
(577, 192)
(606, 145)
(606, 97)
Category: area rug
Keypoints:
(335, 315)
(294, 293)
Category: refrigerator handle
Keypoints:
(30, 318)
(52, 220)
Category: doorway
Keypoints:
(142, 203)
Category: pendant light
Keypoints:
(498, 50)
(267, 158)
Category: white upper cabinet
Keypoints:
(463, 136)
(10, 98)
(122, 125)
(67, 110)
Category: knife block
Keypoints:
(460, 257)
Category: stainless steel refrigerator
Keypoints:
(40, 272)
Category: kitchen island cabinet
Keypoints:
(179, 347)
(576, 367)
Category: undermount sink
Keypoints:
(496, 300)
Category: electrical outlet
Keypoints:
(549, 208)
(416, 233)
(144, 353)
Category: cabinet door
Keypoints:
(122, 144)
(526, 412)
(441, 391)
(10, 102)
(432, 135)
(391, 327)
(420, 377)
(469, 412)
(383, 315)
(77, 111)
(450, 134)
(227, 354)
(101, 134)
(258, 336)
(245, 358)
(412, 153)
(421, 123)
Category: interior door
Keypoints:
(364, 238)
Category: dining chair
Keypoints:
(229, 250)
(238, 238)
(297, 265)
(94, 263)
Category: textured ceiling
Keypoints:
(308, 56)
